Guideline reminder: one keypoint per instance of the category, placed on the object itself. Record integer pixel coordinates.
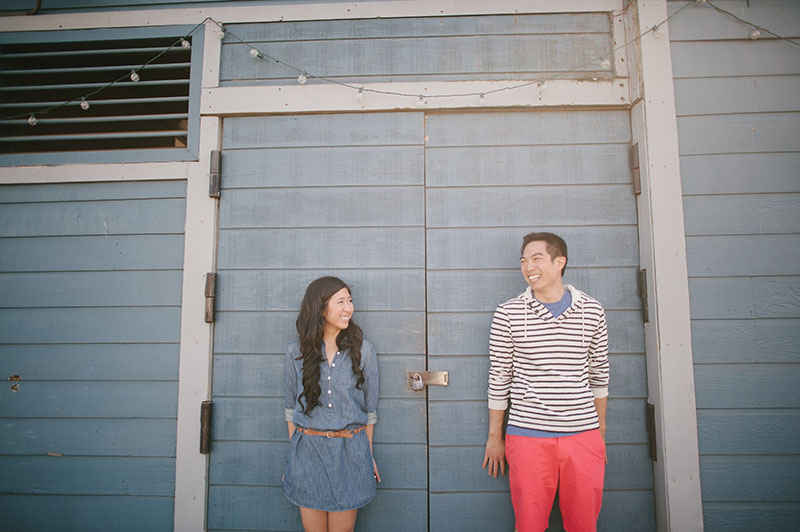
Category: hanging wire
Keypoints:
(755, 26)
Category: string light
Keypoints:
(658, 32)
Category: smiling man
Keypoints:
(548, 350)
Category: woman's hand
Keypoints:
(375, 470)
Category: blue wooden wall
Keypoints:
(739, 130)
(90, 294)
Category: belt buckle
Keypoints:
(328, 434)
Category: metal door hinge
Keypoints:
(205, 427)
(642, 288)
(210, 294)
(650, 421)
(214, 174)
(634, 161)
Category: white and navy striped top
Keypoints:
(552, 369)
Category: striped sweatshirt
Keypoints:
(552, 369)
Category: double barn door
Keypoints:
(422, 214)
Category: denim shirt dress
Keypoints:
(331, 474)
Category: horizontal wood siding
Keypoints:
(491, 178)
(90, 295)
(420, 49)
(738, 104)
(303, 197)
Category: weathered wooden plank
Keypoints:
(702, 23)
(158, 216)
(741, 341)
(263, 464)
(745, 297)
(632, 511)
(535, 206)
(245, 332)
(89, 437)
(528, 128)
(121, 513)
(89, 325)
(91, 289)
(372, 290)
(469, 377)
(262, 419)
(467, 333)
(748, 431)
(306, 167)
(625, 422)
(453, 510)
(742, 255)
(92, 253)
(761, 94)
(67, 475)
(742, 214)
(769, 479)
(764, 57)
(740, 133)
(751, 517)
(412, 58)
(499, 247)
(81, 399)
(747, 385)
(733, 173)
(483, 290)
(527, 165)
(464, 26)
(323, 207)
(54, 192)
(131, 362)
(266, 508)
(262, 375)
(355, 247)
(365, 129)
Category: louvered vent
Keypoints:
(150, 113)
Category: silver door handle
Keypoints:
(417, 380)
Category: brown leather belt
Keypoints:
(331, 433)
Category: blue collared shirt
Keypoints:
(343, 405)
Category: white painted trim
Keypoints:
(194, 377)
(301, 11)
(212, 51)
(663, 253)
(74, 173)
(330, 97)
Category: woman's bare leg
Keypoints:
(314, 520)
(342, 521)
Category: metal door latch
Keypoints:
(419, 379)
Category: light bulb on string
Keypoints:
(482, 99)
(605, 63)
(658, 31)
(84, 103)
(755, 34)
(32, 120)
(134, 76)
(360, 94)
(220, 33)
(255, 53)
(302, 78)
(185, 43)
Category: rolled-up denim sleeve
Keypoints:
(290, 383)
(369, 361)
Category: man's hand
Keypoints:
(495, 456)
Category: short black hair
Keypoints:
(556, 246)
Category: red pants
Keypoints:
(573, 464)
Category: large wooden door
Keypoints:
(422, 214)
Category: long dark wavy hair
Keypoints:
(310, 329)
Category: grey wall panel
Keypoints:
(739, 341)
(753, 431)
(744, 57)
(759, 94)
(743, 133)
(734, 173)
(90, 296)
(742, 214)
(743, 255)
